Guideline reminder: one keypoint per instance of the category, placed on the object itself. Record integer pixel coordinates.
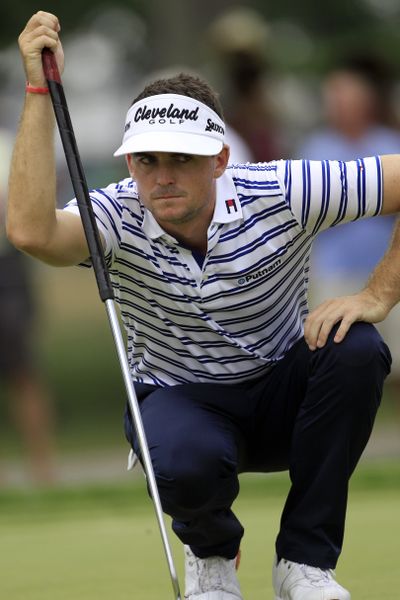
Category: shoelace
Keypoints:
(317, 575)
(209, 569)
(194, 561)
(210, 574)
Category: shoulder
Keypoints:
(126, 188)
(256, 178)
(122, 194)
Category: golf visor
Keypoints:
(172, 123)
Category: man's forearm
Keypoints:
(32, 185)
(372, 304)
(384, 282)
(33, 223)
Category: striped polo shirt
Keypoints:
(231, 319)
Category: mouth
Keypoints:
(167, 196)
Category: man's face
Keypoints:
(177, 188)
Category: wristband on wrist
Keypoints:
(31, 89)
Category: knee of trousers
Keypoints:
(193, 482)
(358, 364)
(362, 351)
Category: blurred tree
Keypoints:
(176, 26)
(72, 14)
(337, 15)
(340, 26)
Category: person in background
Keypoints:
(30, 404)
(359, 122)
(239, 42)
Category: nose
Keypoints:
(165, 174)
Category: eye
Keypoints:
(183, 158)
(144, 159)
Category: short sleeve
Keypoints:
(322, 194)
(107, 211)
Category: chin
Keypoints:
(169, 217)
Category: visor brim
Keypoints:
(181, 143)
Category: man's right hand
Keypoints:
(40, 32)
(34, 225)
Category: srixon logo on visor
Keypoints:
(211, 126)
(171, 115)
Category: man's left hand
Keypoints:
(346, 310)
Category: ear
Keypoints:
(129, 163)
(221, 161)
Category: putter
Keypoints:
(106, 293)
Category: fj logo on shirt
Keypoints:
(258, 274)
(231, 205)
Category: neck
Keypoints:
(193, 237)
(193, 232)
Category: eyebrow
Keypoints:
(149, 153)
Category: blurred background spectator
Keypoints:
(359, 121)
(238, 42)
(28, 397)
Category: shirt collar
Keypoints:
(227, 208)
(150, 226)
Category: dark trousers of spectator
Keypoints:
(312, 414)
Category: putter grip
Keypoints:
(50, 67)
(77, 174)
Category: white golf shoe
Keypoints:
(212, 578)
(294, 581)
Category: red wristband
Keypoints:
(31, 89)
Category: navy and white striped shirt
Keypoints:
(233, 318)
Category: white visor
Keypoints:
(172, 123)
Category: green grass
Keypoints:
(102, 542)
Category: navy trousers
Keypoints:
(312, 414)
